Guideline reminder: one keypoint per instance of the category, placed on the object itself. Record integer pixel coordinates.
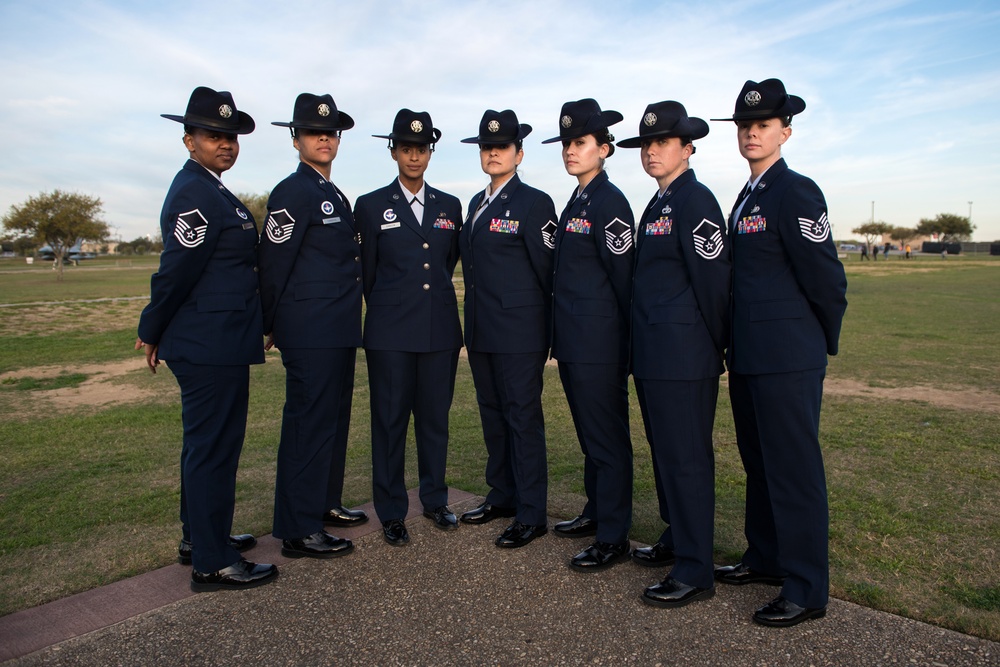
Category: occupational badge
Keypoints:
(190, 228)
(279, 226)
(816, 231)
(707, 239)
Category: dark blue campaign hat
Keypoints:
(412, 127)
(666, 119)
(767, 99)
(317, 112)
(499, 127)
(214, 110)
(581, 118)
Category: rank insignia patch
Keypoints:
(279, 226)
(190, 228)
(549, 234)
(707, 239)
(504, 226)
(752, 224)
(660, 227)
(443, 223)
(816, 231)
(618, 235)
(578, 226)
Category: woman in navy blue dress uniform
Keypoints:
(789, 299)
(310, 290)
(506, 247)
(591, 300)
(204, 320)
(680, 328)
(412, 335)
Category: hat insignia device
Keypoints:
(649, 119)
(417, 126)
(752, 98)
(225, 111)
(566, 121)
(493, 126)
(323, 110)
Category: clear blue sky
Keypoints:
(902, 96)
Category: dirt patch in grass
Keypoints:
(98, 390)
(954, 398)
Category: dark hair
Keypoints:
(518, 145)
(604, 136)
(188, 129)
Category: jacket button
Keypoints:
(425, 246)
(255, 269)
(357, 259)
(426, 287)
(426, 266)
(359, 279)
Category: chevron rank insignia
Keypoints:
(618, 236)
(816, 231)
(549, 234)
(191, 228)
(707, 239)
(279, 226)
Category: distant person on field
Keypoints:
(864, 252)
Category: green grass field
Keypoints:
(911, 432)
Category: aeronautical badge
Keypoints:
(816, 231)
(191, 228)
(549, 234)
(326, 207)
(618, 236)
(707, 239)
(388, 215)
(279, 226)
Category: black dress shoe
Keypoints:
(442, 517)
(599, 556)
(657, 555)
(518, 534)
(317, 545)
(581, 526)
(241, 574)
(741, 574)
(343, 517)
(239, 542)
(486, 513)
(673, 593)
(395, 533)
(781, 613)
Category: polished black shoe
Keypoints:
(781, 613)
(486, 513)
(343, 517)
(740, 574)
(599, 556)
(318, 545)
(395, 532)
(239, 575)
(656, 555)
(581, 526)
(673, 593)
(442, 517)
(239, 542)
(518, 534)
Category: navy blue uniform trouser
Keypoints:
(598, 400)
(509, 394)
(787, 518)
(214, 412)
(678, 417)
(401, 383)
(319, 387)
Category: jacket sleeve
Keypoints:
(805, 232)
(284, 228)
(706, 256)
(369, 241)
(181, 265)
(618, 261)
(453, 252)
(539, 240)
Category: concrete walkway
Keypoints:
(454, 599)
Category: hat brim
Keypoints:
(411, 138)
(596, 123)
(523, 130)
(245, 124)
(793, 105)
(694, 129)
(344, 122)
